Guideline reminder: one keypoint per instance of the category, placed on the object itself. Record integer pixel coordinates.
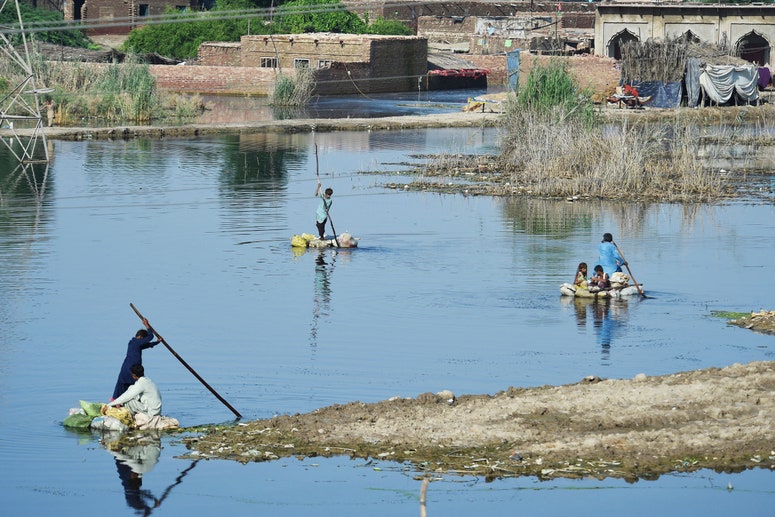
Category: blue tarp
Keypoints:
(663, 95)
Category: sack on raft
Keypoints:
(121, 414)
(297, 241)
(619, 279)
(143, 421)
(77, 421)
(109, 423)
(92, 408)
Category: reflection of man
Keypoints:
(131, 463)
(141, 397)
(322, 298)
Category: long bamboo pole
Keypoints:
(184, 363)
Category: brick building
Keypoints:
(119, 16)
(343, 63)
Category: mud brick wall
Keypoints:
(446, 29)
(599, 74)
(215, 79)
(399, 60)
(219, 54)
(315, 48)
(495, 63)
(346, 78)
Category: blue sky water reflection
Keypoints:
(444, 292)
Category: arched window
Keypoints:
(619, 39)
(754, 48)
(690, 37)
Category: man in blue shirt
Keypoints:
(610, 258)
(134, 355)
(321, 216)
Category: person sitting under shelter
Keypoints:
(631, 97)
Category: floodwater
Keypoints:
(444, 292)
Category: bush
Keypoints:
(388, 28)
(554, 144)
(300, 16)
(551, 86)
(294, 91)
(181, 39)
(43, 18)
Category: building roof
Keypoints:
(448, 61)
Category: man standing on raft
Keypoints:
(321, 216)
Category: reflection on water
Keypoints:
(133, 462)
(607, 316)
(229, 110)
(321, 303)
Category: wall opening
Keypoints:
(619, 39)
(754, 48)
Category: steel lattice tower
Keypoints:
(21, 123)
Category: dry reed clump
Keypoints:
(293, 91)
(665, 60)
(557, 155)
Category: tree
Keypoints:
(181, 39)
(300, 16)
(41, 18)
(388, 28)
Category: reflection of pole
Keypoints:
(178, 480)
(423, 492)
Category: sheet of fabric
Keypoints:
(721, 82)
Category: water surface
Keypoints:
(444, 292)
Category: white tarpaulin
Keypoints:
(720, 82)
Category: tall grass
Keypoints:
(551, 85)
(554, 144)
(115, 93)
(293, 91)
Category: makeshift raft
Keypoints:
(620, 288)
(118, 419)
(614, 292)
(306, 240)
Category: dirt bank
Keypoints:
(762, 321)
(727, 115)
(462, 119)
(628, 428)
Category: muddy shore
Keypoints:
(726, 115)
(717, 418)
(462, 119)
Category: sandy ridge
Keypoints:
(718, 418)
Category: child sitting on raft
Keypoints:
(600, 280)
(581, 276)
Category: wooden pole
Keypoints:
(630, 271)
(184, 363)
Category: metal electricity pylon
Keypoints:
(21, 124)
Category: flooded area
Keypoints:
(444, 292)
